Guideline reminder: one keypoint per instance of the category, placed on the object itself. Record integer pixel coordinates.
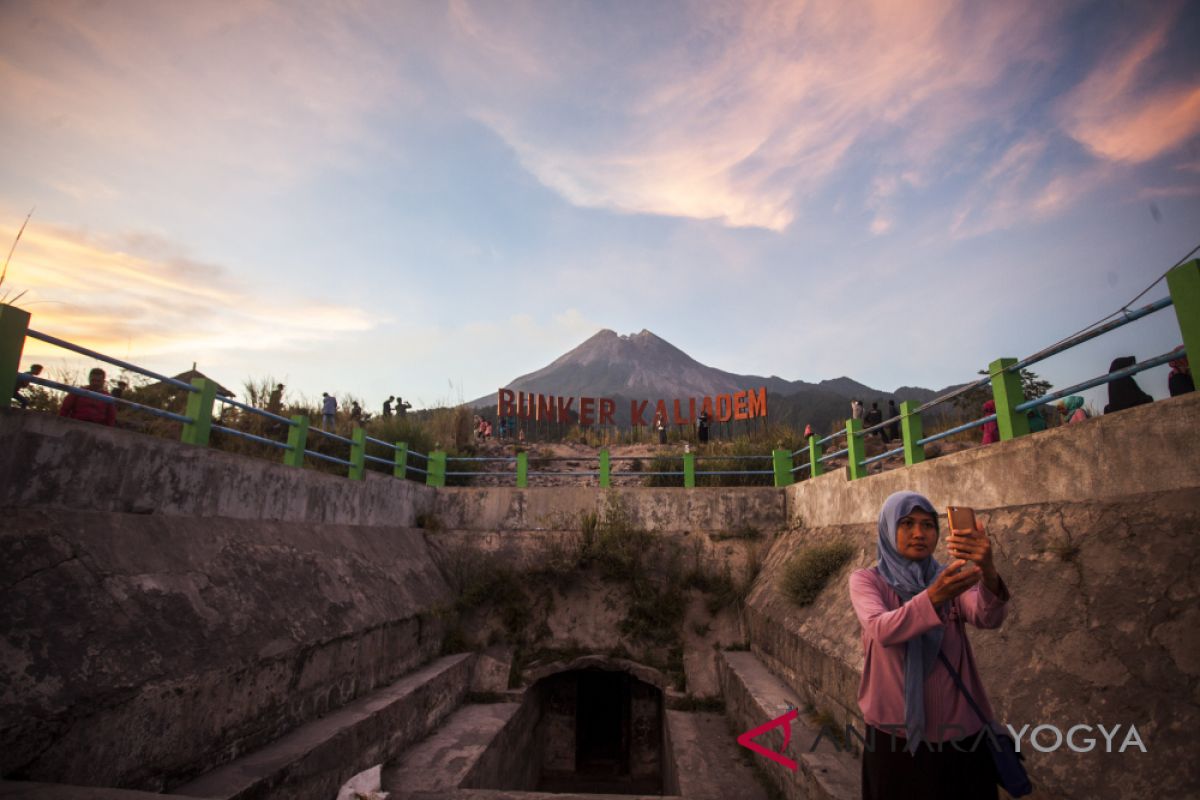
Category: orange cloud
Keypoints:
(1125, 111)
(136, 297)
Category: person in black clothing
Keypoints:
(874, 417)
(1124, 392)
(23, 383)
(702, 428)
(402, 406)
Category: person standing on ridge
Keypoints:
(874, 417)
(90, 409)
(355, 411)
(23, 383)
(894, 428)
(275, 401)
(702, 427)
(856, 409)
(387, 406)
(328, 410)
(402, 406)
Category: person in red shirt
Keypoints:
(90, 409)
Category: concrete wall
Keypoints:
(48, 460)
(1094, 528)
(167, 608)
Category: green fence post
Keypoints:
(1006, 391)
(814, 456)
(605, 470)
(783, 467)
(199, 408)
(358, 453)
(689, 470)
(13, 324)
(1183, 283)
(913, 431)
(437, 469)
(401, 468)
(297, 441)
(855, 449)
(522, 470)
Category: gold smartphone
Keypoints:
(961, 518)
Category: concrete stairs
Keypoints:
(753, 696)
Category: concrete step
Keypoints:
(317, 758)
(754, 696)
(443, 760)
(708, 764)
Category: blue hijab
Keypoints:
(910, 578)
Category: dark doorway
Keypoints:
(602, 725)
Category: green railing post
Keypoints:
(855, 449)
(297, 441)
(522, 470)
(1183, 283)
(1007, 393)
(401, 468)
(782, 460)
(605, 470)
(437, 469)
(689, 470)
(814, 456)
(358, 453)
(199, 408)
(13, 324)
(913, 431)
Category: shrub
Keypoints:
(807, 573)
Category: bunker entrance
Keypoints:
(600, 731)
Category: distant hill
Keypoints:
(644, 366)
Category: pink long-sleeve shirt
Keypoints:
(888, 624)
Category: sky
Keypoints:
(429, 199)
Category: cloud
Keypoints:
(137, 296)
(1129, 108)
(743, 110)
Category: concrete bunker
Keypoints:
(594, 725)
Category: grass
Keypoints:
(807, 573)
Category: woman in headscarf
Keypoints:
(1073, 410)
(1124, 392)
(991, 431)
(923, 739)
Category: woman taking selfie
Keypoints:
(925, 735)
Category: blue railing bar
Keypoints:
(418, 469)
(881, 456)
(45, 337)
(984, 381)
(252, 437)
(800, 466)
(332, 459)
(1079, 387)
(627, 474)
(959, 429)
(253, 410)
(380, 442)
(733, 458)
(333, 436)
(540, 472)
(831, 436)
(473, 473)
(834, 454)
(378, 460)
(485, 458)
(737, 472)
(418, 455)
(1066, 344)
(104, 398)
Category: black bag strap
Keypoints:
(962, 688)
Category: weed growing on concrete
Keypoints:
(808, 572)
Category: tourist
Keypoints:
(660, 425)
(355, 411)
(275, 402)
(328, 410)
(23, 383)
(1072, 410)
(874, 417)
(856, 409)
(702, 426)
(893, 414)
(1180, 380)
(1124, 392)
(120, 389)
(808, 431)
(387, 406)
(923, 739)
(1037, 420)
(90, 409)
(402, 406)
(991, 430)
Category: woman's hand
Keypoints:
(959, 576)
(976, 547)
